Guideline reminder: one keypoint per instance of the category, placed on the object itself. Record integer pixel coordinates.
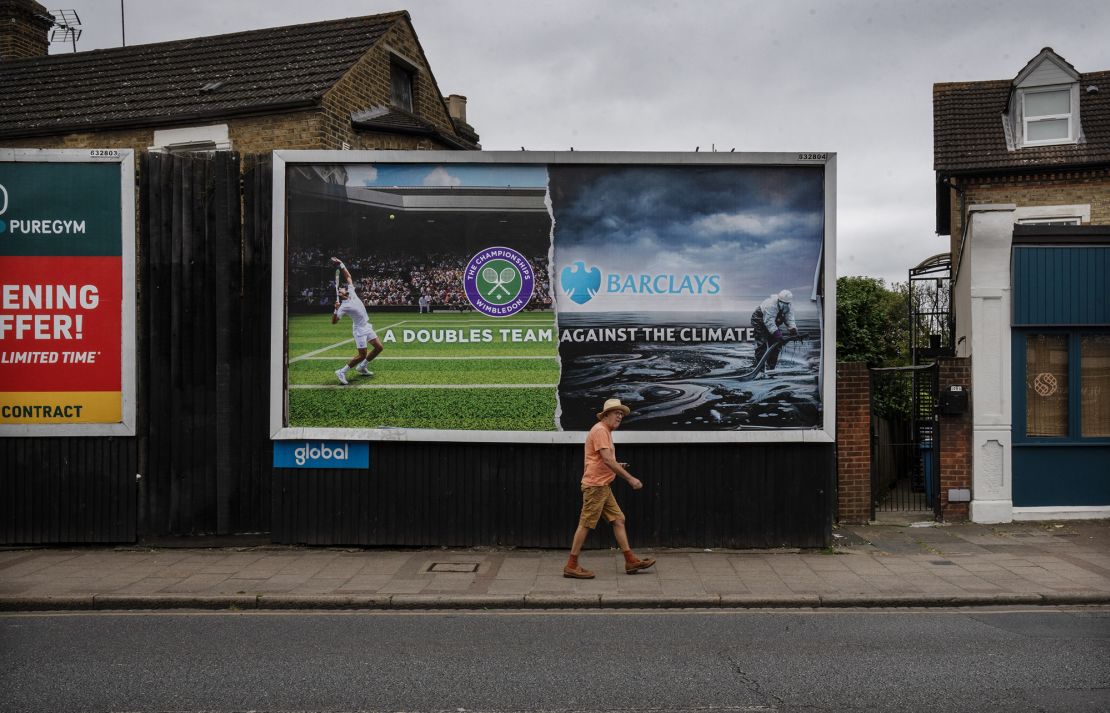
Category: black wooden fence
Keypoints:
(204, 318)
(67, 490)
(454, 494)
(202, 460)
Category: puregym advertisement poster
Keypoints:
(506, 300)
(63, 293)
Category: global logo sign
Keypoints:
(321, 454)
(581, 284)
(301, 454)
(498, 281)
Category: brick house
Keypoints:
(355, 83)
(1023, 192)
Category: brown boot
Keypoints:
(577, 572)
(636, 565)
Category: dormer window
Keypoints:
(1043, 109)
(1047, 116)
(400, 86)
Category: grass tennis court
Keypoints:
(503, 377)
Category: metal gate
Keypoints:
(905, 440)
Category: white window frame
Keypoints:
(213, 137)
(1072, 220)
(1026, 119)
(1054, 214)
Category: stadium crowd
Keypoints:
(397, 280)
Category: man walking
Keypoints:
(601, 468)
(349, 304)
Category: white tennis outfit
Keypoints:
(361, 328)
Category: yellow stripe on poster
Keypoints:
(61, 407)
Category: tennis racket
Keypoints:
(490, 275)
(338, 274)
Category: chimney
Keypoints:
(456, 107)
(24, 29)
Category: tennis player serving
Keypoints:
(348, 303)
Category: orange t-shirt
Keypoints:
(596, 472)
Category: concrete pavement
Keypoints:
(877, 565)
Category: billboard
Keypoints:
(504, 296)
(67, 257)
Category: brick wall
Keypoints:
(24, 29)
(1043, 189)
(367, 85)
(262, 134)
(853, 442)
(138, 139)
(258, 134)
(955, 440)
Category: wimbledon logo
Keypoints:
(498, 281)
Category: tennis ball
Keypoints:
(391, 216)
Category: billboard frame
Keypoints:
(128, 317)
(279, 276)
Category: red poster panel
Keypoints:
(60, 323)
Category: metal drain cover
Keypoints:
(453, 567)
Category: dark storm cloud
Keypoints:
(685, 207)
(759, 226)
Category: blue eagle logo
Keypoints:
(581, 284)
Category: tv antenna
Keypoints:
(67, 27)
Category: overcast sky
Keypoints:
(638, 75)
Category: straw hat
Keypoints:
(612, 405)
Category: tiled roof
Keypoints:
(244, 72)
(397, 121)
(968, 133)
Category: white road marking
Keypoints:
(350, 340)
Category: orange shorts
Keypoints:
(598, 500)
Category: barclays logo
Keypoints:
(582, 284)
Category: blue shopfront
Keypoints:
(1061, 367)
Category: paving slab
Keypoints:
(869, 565)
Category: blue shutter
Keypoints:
(1065, 285)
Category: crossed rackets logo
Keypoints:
(498, 281)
